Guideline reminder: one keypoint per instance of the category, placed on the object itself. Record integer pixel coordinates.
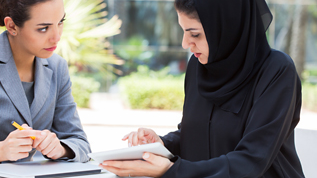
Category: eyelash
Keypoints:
(41, 29)
(195, 36)
(62, 21)
(45, 28)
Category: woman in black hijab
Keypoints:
(242, 100)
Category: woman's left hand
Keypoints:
(153, 166)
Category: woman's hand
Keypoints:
(153, 166)
(142, 136)
(18, 144)
(49, 145)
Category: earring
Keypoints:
(13, 33)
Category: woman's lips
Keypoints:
(50, 49)
(197, 54)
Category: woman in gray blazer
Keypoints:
(35, 87)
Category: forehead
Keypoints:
(47, 12)
(187, 22)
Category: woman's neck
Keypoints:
(24, 61)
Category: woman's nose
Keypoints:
(185, 44)
(56, 35)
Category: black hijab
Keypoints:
(235, 32)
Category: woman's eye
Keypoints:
(61, 22)
(43, 29)
(195, 36)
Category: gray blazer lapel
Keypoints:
(10, 80)
(42, 82)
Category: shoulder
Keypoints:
(278, 70)
(278, 61)
(278, 65)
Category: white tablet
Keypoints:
(131, 153)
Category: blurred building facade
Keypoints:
(150, 34)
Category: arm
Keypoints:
(172, 141)
(270, 124)
(66, 123)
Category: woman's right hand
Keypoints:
(17, 145)
(142, 136)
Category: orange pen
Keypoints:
(20, 128)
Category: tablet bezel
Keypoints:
(131, 153)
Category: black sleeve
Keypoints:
(172, 141)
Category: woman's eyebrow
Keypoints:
(44, 24)
(47, 24)
(190, 29)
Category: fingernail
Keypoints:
(43, 133)
(130, 144)
(144, 142)
(105, 164)
(146, 155)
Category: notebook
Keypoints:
(47, 168)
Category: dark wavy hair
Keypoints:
(18, 10)
(187, 7)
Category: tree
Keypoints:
(298, 38)
(83, 43)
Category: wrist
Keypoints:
(67, 151)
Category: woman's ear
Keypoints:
(10, 25)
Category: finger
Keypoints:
(54, 152)
(27, 133)
(131, 139)
(24, 149)
(45, 141)
(155, 159)
(27, 141)
(121, 164)
(27, 127)
(18, 156)
(125, 137)
(38, 140)
(114, 170)
(141, 136)
(48, 150)
(135, 140)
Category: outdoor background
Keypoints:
(127, 64)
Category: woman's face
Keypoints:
(194, 37)
(41, 33)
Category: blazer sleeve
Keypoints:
(270, 122)
(66, 122)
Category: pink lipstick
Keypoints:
(51, 49)
(197, 54)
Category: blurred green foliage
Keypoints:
(84, 45)
(2, 29)
(84, 41)
(82, 87)
(146, 89)
(132, 51)
(309, 92)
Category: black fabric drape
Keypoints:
(235, 32)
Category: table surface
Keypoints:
(103, 174)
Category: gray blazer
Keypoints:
(53, 106)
